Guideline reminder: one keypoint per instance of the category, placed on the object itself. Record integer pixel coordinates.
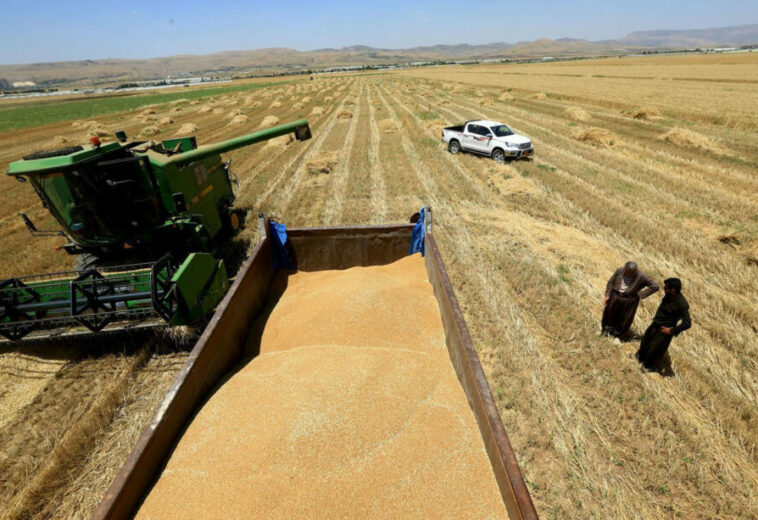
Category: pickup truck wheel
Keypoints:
(454, 147)
(498, 155)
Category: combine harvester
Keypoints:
(145, 218)
(240, 395)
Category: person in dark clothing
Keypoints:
(666, 324)
(623, 293)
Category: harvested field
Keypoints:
(386, 430)
(529, 246)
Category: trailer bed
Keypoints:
(367, 419)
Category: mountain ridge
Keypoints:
(283, 59)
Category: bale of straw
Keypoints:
(328, 99)
(276, 104)
(218, 111)
(539, 95)
(150, 131)
(204, 109)
(646, 113)
(344, 114)
(306, 99)
(689, 139)
(317, 111)
(186, 129)
(577, 114)
(596, 136)
(484, 101)
(165, 121)
(148, 112)
(238, 120)
(388, 126)
(505, 96)
(97, 130)
(323, 163)
(280, 142)
(147, 119)
(233, 114)
(269, 121)
(297, 106)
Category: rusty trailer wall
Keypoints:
(221, 346)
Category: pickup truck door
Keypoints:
(480, 138)
(468, 139)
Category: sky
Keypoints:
(55, 30)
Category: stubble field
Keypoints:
(621, 172)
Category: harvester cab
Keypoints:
(162, 207)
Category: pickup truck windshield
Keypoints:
(501, 131)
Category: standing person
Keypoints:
(673, 309)
(623, 293)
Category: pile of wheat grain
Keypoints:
(352, 409)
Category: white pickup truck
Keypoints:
(487, 138)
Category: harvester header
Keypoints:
(163, 207)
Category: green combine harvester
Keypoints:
(162, 208)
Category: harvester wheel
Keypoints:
(85, 261)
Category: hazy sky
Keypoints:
(48, 30)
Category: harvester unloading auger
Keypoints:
(165, 204)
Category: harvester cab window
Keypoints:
(110, 199)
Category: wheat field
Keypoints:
(622, 172)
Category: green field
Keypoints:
(49, 110)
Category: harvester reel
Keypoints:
(14, 292)
(92, 286)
